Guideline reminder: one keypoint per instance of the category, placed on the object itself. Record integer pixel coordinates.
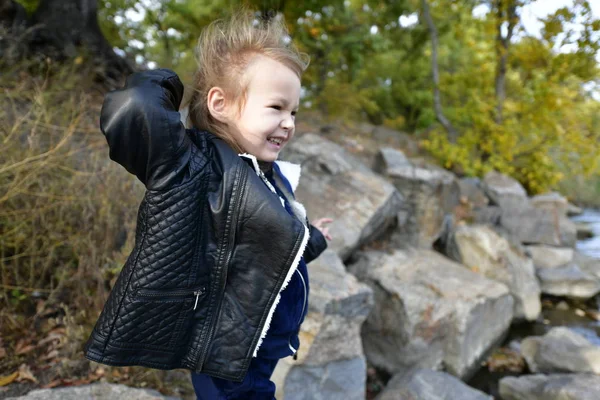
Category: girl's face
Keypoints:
(266, 122)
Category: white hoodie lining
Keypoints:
(285, 283)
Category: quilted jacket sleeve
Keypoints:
(316, 244)
(142, 126)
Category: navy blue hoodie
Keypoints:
(282, 337)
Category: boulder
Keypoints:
(561, 350)
(538, 226)
(425, 384)
(503, 190)
(96, 391)
(584, 230)
(489, 215)
(482, 250)
(553, 202)
(430, 312)
(336, 380)
(430, 192)
(551, 387)
(550, 257)
(591, 265)
(568, 280)
(573, 210)
(330, 362)
(335, 184)
(470, 189)
(529, 224)
(391, 137)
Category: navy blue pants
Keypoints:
(256, 385)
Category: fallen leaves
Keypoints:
(505, 359)
(92, 377)
(24, 346)
(8, 379)
(22, 374)
(33, 350)
(25, 374)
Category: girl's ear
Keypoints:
(217, 104)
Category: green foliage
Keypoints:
(29, 5)
(549, 128)
(365, 65)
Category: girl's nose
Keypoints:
(288, 123)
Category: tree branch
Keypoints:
(437, 102)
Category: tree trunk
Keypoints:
(13, 16)
(437, 101)
(506, 11)
(60, 29)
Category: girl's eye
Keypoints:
(278, 108)
(294, 113)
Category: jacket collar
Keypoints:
(289, 170)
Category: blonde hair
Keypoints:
(224, 52)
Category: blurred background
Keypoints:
(467, 88)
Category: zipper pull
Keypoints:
(197, 293)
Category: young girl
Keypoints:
(217, 280)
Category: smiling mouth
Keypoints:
(276, 141)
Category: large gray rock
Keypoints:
(561, 350)
(538, 226)
(489, 215)
(551, 387)
(550, 257)
(330, 363)
(336, 380)
(484, 251)
(568, 280)
(584, 230)
(531, 225)
(97, 391)
(504, 190)
(430, 312)
(565, 272)
(573, 210)
(470, 189)
(553, 202)
(431, 193)
(425, 384)
(335, 184)
(591, 265)
(408, 143)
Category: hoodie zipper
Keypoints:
(304, 302)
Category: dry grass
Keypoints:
(67, 221)
(65, 209)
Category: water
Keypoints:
(590, 247)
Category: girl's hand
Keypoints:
(320, 225)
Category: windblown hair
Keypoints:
(224, 52)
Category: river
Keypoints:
(591, 247)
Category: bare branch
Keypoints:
(437, 102)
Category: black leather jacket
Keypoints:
(213, 246)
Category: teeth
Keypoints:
(276, 141)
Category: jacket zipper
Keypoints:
(173, 293)
(234, 207)
(304, 302)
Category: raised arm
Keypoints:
(142, 126)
